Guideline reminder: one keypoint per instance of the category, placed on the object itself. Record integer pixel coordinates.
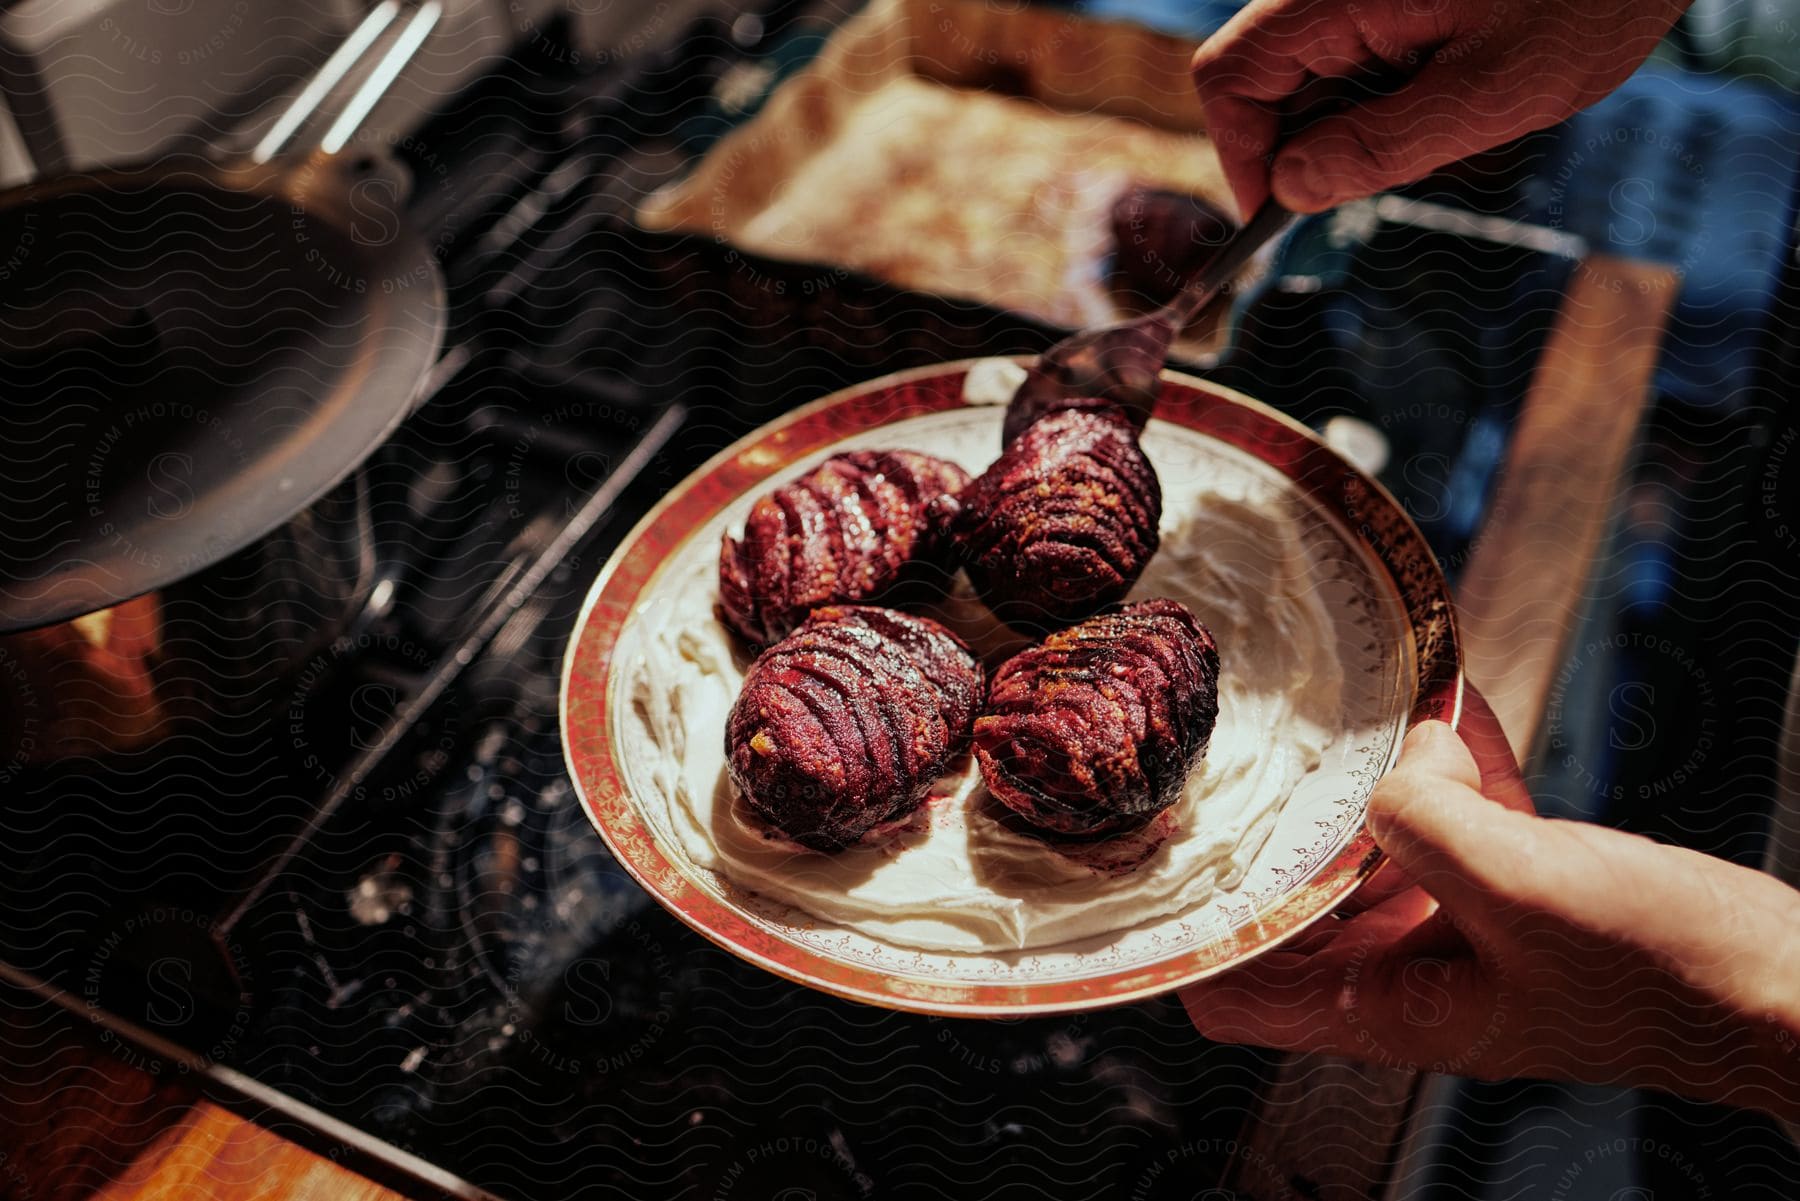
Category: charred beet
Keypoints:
(845, 723)
(1161, 238)
(856, 528)
(1094, 731)
(1063, 522)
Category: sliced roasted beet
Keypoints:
(844, 724)
(861, 526)
(1062, 524)
(1095, 730)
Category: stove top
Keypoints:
(376, 893)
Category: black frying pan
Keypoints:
(191, 355)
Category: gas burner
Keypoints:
(568, 945)
(516, 890)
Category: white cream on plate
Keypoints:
(955, 878)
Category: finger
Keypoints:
(1448, 111)
(1382, 923)
(1243, 73)
(1288, 998)
(1243, 133)
(1406, 899)
(1427, 1000)
(1481, 733)
(1390, 879)
(1432, 748)
(1430, 816)
(1272, 48)
(1249, 72)
(1500, 781)
(1434, 935)
(1417, 996)
(1284, 1000)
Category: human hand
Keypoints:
(1511, 945)
(1473, 74)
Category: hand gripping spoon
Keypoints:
(1120, 364)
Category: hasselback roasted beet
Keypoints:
(1094, 731)
(1039, 397)
(845, 723)
(853, 529)
(1063, 523)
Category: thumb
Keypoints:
(1429, 815)
(1486, 739)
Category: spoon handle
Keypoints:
(1222, 268)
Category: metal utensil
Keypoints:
(1120, 363)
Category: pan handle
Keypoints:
(366, 179)
(329, 75)
(378, 49)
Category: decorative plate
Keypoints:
(649, 674)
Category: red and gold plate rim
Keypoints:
(1371, 517)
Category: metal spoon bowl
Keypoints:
(1120, 363)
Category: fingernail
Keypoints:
(1424, 744)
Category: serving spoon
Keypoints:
(1122, 363)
